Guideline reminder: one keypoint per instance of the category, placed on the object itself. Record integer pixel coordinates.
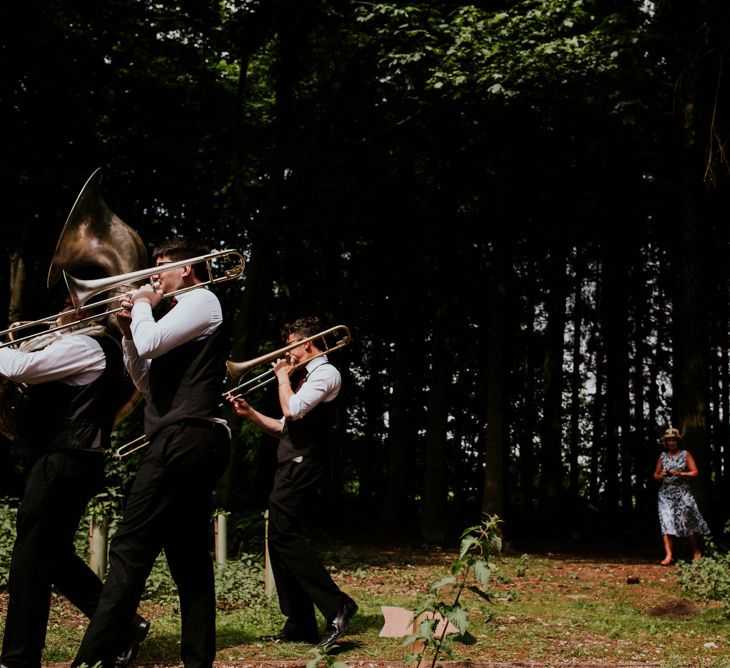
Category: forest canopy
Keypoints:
(517, 207)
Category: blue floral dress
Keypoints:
(678, 511)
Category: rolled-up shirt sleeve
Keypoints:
(322, 385)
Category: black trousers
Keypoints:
(302, 582)
(169, 508)
(57, 490)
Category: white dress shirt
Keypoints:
(74, 359)
(197, 314)
(323, 382)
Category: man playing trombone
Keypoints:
(178, 362)
(74, 380)
(304, 434)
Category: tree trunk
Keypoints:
(17, 287)
(552, 432)
(493, 494)
(434, 515)
(598, 443)
(576, 380)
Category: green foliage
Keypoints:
(121, 471)
(237, 583)
(323, 656)
(708, 578)
(8, 514)
(105, 506)
(529, 46)
(240, 582)
(522, 566)
(160, 586)
(246, 532)
(470, 571)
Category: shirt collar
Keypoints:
(317, 361)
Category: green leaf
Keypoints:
(458, 617)
(466, 545)
(482, 572)
(448, 580)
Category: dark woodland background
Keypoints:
(519, 208)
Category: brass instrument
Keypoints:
(25, 324)
(131, 446)
(81, 291)
(92, 237)
(239, 369)
(95, 236)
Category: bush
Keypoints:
(240, 582)
(708, 578)
(237, 583)
(8, 514)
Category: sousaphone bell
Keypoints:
(93, 240)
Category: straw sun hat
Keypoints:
(671, 433)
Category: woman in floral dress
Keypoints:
(678, 511)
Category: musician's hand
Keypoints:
(125, 301)
(146, 294)
(240, 406)
(283, 369)
(124, 321)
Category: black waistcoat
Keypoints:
(309, 436)
(186, 382)
(58, 416)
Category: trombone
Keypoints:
(239, 369)
(83, 290)
(49, 321)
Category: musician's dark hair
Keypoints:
(181, 248)
(306, 326)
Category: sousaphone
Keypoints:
(94, 236)
(93, 240)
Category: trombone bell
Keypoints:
(238, 369)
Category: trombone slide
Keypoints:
(237, 369)
(82, 290)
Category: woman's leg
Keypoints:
(693, 544)
(668, 549)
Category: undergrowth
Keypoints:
(471, 570)
(708, 578)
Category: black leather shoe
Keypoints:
(338, 624)
(139, 633)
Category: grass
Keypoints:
(547, 610)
